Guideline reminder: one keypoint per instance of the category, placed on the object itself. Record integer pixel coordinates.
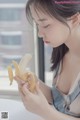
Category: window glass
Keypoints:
(10, 14)
(11, 40)
(13, 1)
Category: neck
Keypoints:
(73, 43)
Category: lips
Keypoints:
(45, 41)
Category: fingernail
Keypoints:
(26, 85)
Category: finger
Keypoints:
(20, 86)
(22, 96)
(24, 99)
(25, 90)
(20, 90)
(38, 90)
(19, 81)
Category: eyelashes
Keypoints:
(46, 26)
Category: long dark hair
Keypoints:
(61, 12)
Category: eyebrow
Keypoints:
(41, 20)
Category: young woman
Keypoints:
(58, 24)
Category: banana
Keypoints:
(32, 83)
(20, 70)
(17, 69)
(10, 73)
(24, 62)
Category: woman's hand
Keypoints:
(34, 102)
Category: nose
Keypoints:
(40, 33)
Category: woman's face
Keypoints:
(50, 29)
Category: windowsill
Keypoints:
(6, 88)
(9, 95)
(11, 47)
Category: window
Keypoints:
(8, 58)
(10, 14)
(11, 40)
(13, 1)
(15, 40)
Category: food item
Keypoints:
(32, 83)
(24, 62)
(31, 79)
(17, 69)
(20, 70)
(10, 72)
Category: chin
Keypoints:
(55, 46)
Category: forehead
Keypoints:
(38, 14)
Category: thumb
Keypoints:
(38, 88)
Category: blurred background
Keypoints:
(18, 37)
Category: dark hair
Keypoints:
(61, 12)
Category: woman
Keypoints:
(59, 25)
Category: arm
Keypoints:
(46, 91)
(34, 101)
(53, 114)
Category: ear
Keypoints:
(75, 19)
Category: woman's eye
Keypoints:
(43, 26)
(46, 26)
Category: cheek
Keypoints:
(58, 35)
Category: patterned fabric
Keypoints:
(62, 103)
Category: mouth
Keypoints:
(47, 42)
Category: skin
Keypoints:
(56, 33)
(50, 29)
